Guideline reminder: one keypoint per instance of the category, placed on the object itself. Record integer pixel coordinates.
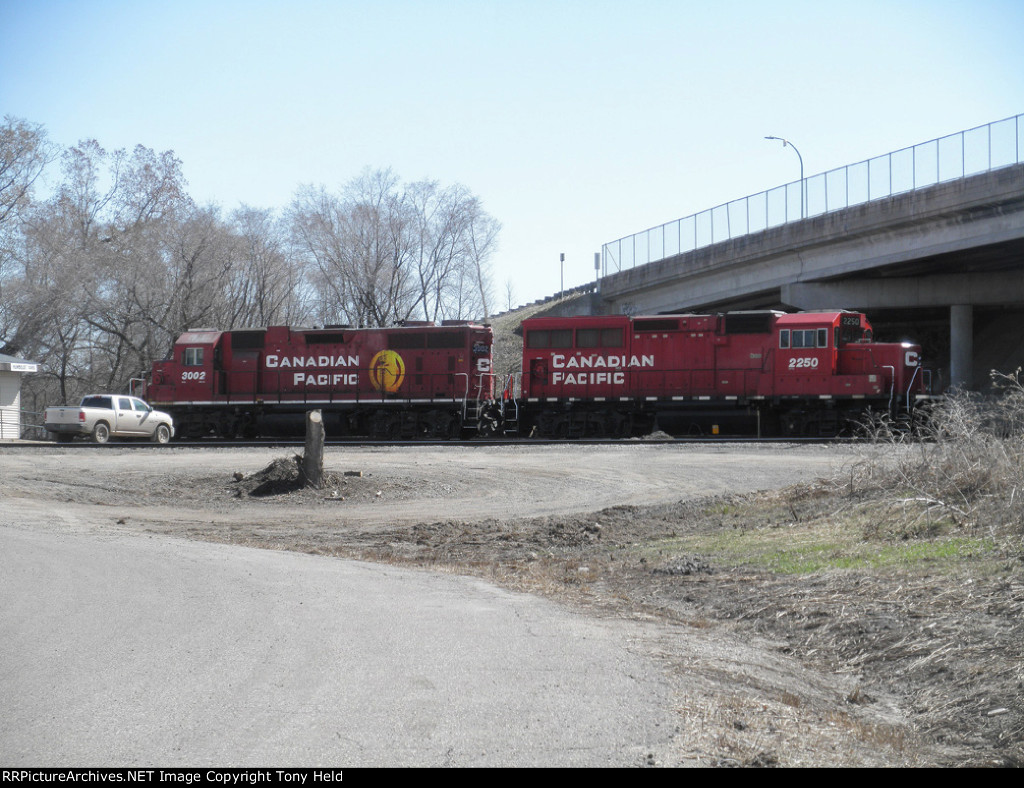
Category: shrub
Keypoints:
(962, 467)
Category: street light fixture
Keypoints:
(786, 142)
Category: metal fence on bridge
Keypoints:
(955, 156)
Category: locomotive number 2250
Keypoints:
(808, 362)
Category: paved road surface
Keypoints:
(139, 650)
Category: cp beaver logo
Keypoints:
(387, 371)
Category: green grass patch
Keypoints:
(807, 550)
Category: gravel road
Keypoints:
(126, 644)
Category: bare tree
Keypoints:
(380, 252)
(267, 287)
(98, 279)
(57, 271)
(132, 300)
(483, 230)
(357, 247)
(24, 155)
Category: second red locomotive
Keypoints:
(811, 373)
(414, 380)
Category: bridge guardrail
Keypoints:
(955, 156)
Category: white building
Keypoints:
(11, 370)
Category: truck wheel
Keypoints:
(101, 432)
(162, 434)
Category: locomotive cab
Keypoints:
(189, 375)
(831, 359)
(806, 352)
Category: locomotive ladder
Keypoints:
(471, 406)
(510, 406)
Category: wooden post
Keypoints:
(313, 459)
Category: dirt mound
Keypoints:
(282, 476)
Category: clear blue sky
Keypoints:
(574, 122)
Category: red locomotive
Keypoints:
(812, 373)
(413, 380)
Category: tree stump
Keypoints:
(313, 459)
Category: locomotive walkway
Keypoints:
(933, 233)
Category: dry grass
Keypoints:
(962, 471)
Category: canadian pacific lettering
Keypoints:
(311, 362)
(302, 379)
(317, 363)
(615, 364)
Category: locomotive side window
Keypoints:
(810, 337)
(588, 337)
(193, 357)
(611, 337)
(656, 324)
(803, 338)
(544, 338)
(599, 337)
(446, 339)
(247, 340)
(409, 340)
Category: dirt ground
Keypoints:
(843, 668)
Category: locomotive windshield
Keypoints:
(851, 330)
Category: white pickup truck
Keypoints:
(106, 416)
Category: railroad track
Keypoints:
(359, 443)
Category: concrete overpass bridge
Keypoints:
(928, 241)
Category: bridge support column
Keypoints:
(961, 344)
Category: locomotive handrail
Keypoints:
(892, 384)
(480, 387)
(465, 396)
(911, 384)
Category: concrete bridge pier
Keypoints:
(961, 344)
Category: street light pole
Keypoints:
(786, 142)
